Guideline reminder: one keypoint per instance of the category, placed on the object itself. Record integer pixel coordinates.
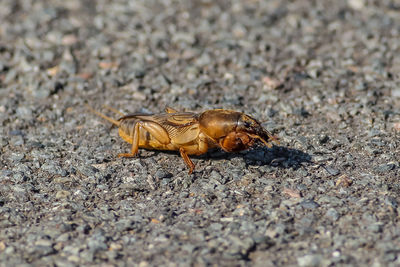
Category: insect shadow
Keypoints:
(279, 156)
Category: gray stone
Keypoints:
(309, 260)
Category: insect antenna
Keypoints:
(114, 110)
(115, 122)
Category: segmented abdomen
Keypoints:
(128, 126)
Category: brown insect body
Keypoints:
(190, 133)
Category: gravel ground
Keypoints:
(321, 75)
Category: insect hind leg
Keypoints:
(135, 142)
(155, 130)
(170, 110)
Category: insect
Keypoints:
(189, 133)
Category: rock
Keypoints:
(309, 204)
(385, 167)
(332, 214)
(309, 260)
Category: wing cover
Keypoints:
(182, 127)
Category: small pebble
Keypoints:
(309, 260)
(309, 204)
(385, 167)
(332, 214)
(62, 194)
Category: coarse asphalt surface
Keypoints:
(321, 75)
